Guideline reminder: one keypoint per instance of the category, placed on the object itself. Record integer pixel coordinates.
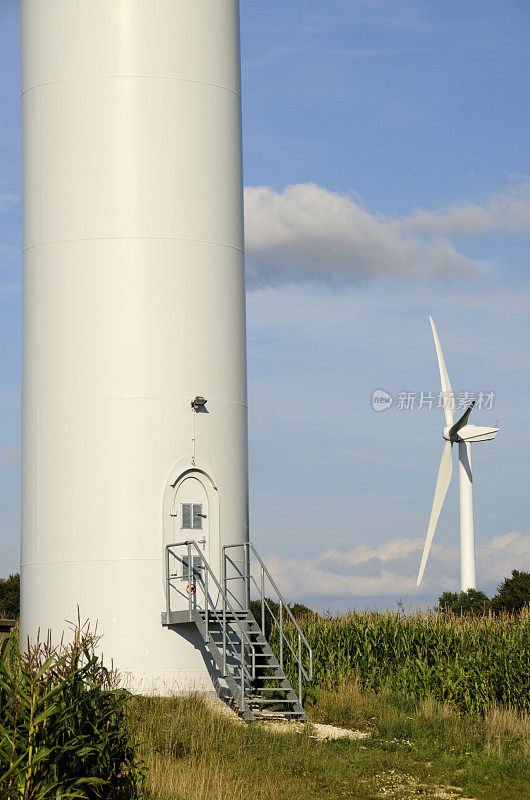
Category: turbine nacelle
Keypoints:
(470, 433)
(476, 433)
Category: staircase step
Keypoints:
(262, 714)
(271, 666)
(261, 701)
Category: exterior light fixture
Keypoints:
(199, 402)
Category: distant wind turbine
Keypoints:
(464, 434)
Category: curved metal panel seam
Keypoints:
(134, 238)
(128, 397)
(90, 560)
(148, 77)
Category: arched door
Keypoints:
(190, 513)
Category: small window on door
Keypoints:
(191, 516)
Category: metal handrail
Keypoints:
(249, 579)
(227, 606)
(279, 625)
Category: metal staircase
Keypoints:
(253, 673)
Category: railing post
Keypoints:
(206, 603)
(168, 588)
(223, 584)
(281, 634)
(189, 580)
(247, 588)
(262, 590)
(299, 669)
(242, 672)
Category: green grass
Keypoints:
(415, 749)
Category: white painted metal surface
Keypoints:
(467, 528)
(464, 434)
(133, 305)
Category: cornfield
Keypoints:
(470, 663)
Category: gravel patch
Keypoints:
(317, 730)
(323, 732)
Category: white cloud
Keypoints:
(309, 232)
(10, 457)
(501, 554)
(508, 211)
(390, 569)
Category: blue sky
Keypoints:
(387, 175)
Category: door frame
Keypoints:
(184, 468)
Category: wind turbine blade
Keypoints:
(448, 395)
(461, 422)
(442, 484)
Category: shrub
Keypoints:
(10, 596)
(513, 593)
(65, 728)
(470, 602)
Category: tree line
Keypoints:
(513, 594)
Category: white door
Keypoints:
(191, 522)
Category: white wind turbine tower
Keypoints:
(464, 434)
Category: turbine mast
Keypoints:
(467, 531)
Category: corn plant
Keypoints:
(64, 725)
(469, 663)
